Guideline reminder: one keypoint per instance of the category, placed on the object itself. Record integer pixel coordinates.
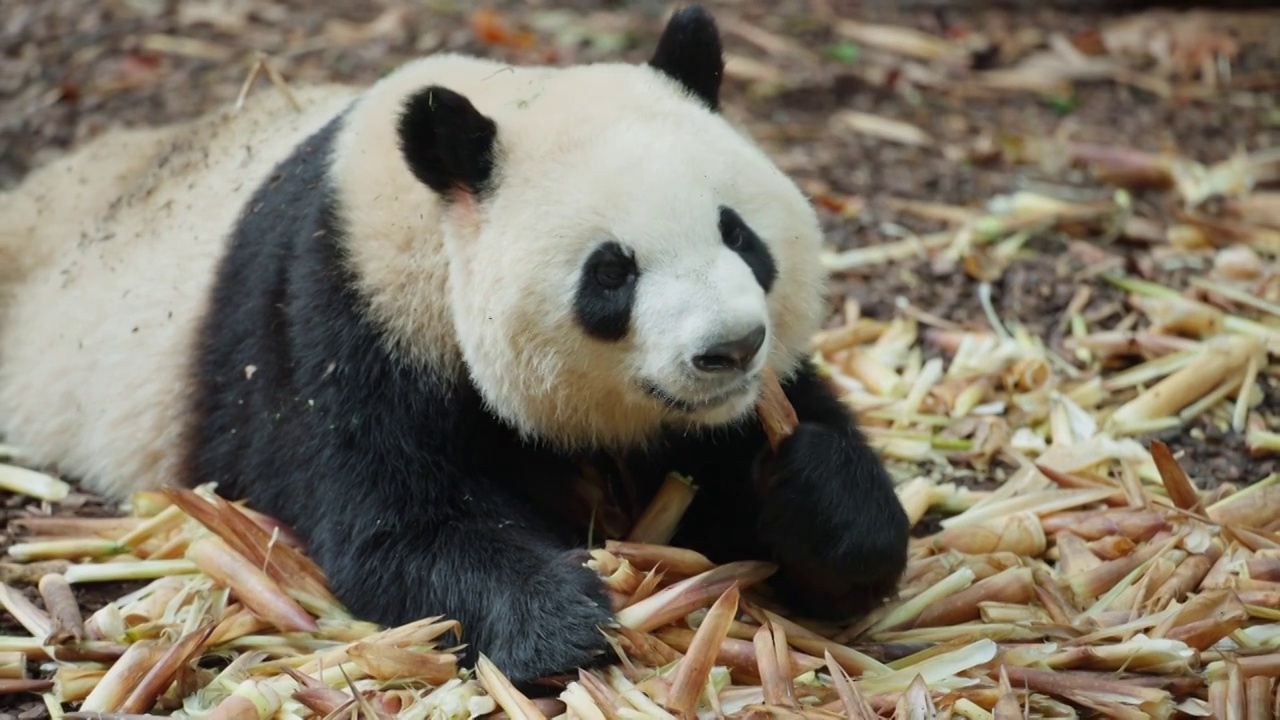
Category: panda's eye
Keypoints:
(614, 273)
(610, 266)
(734, 241)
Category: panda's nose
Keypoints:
(733, 355)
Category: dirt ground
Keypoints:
(70, 68)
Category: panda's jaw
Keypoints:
(723, 405)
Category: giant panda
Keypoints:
(401, 318)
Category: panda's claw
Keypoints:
(552, 625)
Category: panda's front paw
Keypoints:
(834, 523)
(551, 625)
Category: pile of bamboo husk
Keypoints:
(1065, 588)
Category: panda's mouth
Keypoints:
(683, 405)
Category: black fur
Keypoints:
(416, 502)
(689, 52)
(606, 292)
(739, 237)
(448, 144)
(404, 490)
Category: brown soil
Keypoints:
(69, 69)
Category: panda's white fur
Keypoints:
(639, 162)
(117, 243)
(378, 318)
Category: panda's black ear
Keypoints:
(689, 51)
(447, 142)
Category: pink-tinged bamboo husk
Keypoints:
(1180, 488)
(73, 684)
(915, 701)
(1264, 567)
(776, 414)
(124, 675)
(1018, 533)
(166, 668)
(1110, 548)
(1268, 599)
(257, 590)
(1054, 600)
(1074, 557)
(29, 573)
(1249, 666)
(107, 528)
(13, 665)
(1185, 579)
(35, 620)
(20, 687)
(1222, 572)
(651, 650)
(1111, 494)
(1007, 707)
(854, 704)
(1259, 698)
(1204, 619)
(324, 700)
(1092, 583)
(1137, 525)
(1252, 508)
(606, 698)
(1222, 356)
(690, 678)
(1085, 689)
(297, 574)
(619, 575)
(861, 331)
(676, 601)
(511, 700)
(1146, 344)
(737, 654)
(236, 624)
(673, 562)
(580, 703)
(774, 662)
(1178, 316)
(250, 699)
(648, 586)
(384, 662)
(1014, 585)
(95, 652)
(66, 624)
(1255, 540)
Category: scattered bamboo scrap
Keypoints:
(1065, 591)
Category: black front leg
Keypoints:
(823, 508)
(474, 554)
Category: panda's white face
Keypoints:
(597, 249)
(641, 275)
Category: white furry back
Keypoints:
(117, 245)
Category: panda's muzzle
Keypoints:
(732, 356)
(693, 406)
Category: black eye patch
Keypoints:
(606, 292)
(740, 238)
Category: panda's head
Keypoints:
(619, 257)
